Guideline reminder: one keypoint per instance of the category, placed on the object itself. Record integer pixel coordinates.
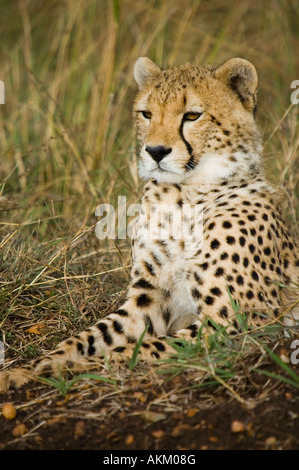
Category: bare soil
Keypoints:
(149, 413)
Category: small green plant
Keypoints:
(32, 349)
(63, 384)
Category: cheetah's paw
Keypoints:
(13, 379)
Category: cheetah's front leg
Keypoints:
(114, 333)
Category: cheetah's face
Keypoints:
(190, 119)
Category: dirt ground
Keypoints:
(152, 414)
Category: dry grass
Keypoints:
(68, 144)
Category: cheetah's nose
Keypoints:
(158, 152)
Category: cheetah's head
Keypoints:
(196, 123)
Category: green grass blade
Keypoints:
(134, 358)
(282, 364)
(278, 377)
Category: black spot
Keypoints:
(198, 279)
(259, 240)
(215, 244)
(242, 241)
(156, 355)
(143, 300)
(240, 280)
(142, 283)
(222, 204)
(211, 225)
(226, 132)
(159, 346)
(145, 345)
(246, 203)
(156, 259)
(253, 231)
(216, 291)
(149, 324)
(245, 262)
(119, 349)
(91, 349)
(249, 294)
(285, 263)
(236, 258)
(166, 315)
(226, 224)
(274, 293)
(265, 217)
(267, 251)
(150, 268)
(223, 312)
(117, 326)
(267, 280)
(106, 335)
(195, 294)
(209, 300)
(255, 275)
(131, 339)
(251, 248)
(122, 312)
(230, 240)
(80, 348)
(219, 272)
(211, 324)
(204, 266)
(224, 255)
(256, 258)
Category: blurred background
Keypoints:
(67, 141)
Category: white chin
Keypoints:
(162, 176)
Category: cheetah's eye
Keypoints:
(146, 114)
(191, 116)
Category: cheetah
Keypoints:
(200, 148)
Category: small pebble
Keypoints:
(9, 411)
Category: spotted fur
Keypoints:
(200, 149)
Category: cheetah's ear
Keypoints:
(144, 70)
(241, 76)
